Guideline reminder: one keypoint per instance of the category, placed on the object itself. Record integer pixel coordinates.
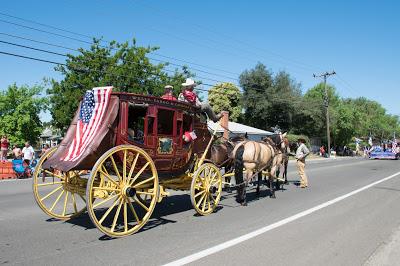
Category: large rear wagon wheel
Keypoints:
(206, 188)
(116, 188)
(56, 192)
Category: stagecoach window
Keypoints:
(136, 117)
(150, 125)
(187, 123)
(165, 122)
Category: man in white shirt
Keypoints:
(301, 154)
(28, 152)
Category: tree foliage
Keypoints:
(269, 100)
(19, 113)
(122, 65)
(226, 97)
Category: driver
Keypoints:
(189, 96)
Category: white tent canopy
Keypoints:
(236, 129)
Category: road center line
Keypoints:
(240, 239)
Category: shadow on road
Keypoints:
(172, 205)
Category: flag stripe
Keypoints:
(91, 133)
(93, 108)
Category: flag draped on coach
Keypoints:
(93, 107)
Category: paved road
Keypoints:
(357, 230)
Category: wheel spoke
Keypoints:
(51, 183)
(65, 203)
(204, 203)
(133, 211)
(51, 193)
(53, 174)
(108, 212)
(200, 193)
(74, 202)
(55, 202)
(208, 202)
(108, 189)
(145, 193)
(116, 216)
(104, 201)
(84, 200)
(124, 167)
(141, 204)
(115, 167)
(109, 177)
(143, 182)
(212, 179)
(201, 199)
(199, 187)
(125, 217)
(139, 173)
(132, 168)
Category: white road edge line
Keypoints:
(240, 239)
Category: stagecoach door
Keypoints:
(166, 138)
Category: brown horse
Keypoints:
(221, 154)
(256, 157)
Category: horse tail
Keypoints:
(239, 164)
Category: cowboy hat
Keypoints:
(168, 87)
(303, 140)
(189, 82)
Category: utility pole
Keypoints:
(326, 104)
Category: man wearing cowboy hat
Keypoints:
(189, 96)
(168, 94)
(301, 154)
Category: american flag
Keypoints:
(93, 108)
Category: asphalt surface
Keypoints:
(363, 229)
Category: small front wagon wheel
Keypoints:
(205, 191)
(59, 194)
(119, 181)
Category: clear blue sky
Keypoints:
(360, 40)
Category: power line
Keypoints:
(48, 32)
(63, 64)
(298, 63)
(32, 58)
(91, 37)
(33, 48)
(51, 52)
(36, 41)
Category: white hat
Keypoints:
(189, 82)
(168, 87)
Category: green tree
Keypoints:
(311, 117)
(269, 100)
(19, 113)
(226, 97)
(124, 66)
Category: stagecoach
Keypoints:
(119, 156)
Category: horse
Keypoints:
(221, 154)
(283, 164)
(256, 157)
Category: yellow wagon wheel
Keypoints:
(116, 188)
(58, 194)
(205, 191)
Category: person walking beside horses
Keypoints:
(301, 154)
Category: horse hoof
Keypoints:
(273, 196)
(243, 203)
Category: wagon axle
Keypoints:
(130, 192)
